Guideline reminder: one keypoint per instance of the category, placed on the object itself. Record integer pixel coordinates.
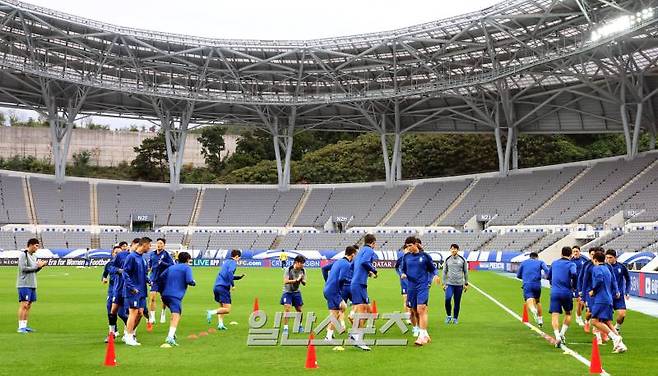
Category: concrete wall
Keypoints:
(108, 148)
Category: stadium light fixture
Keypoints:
(621, 24)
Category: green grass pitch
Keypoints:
(71, 322)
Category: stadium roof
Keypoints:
(542, 66)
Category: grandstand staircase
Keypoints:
(93, 205)
(298, 210)
(277, 241)
(618, 191)
(397, 205)
(27, 193)
(558, 194)
(194, 218)
(553, 252)
(455, 203)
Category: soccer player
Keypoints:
(419, 270)
(620, 273)
(109, 278)
(602, 293)
(580, 261)
(455, 282)
(222, 290)
(403, 290)
(584, 284)
(332, 288)
(530, 273)
(26, 283)
(118, 309)
(159, 261)
(562, 275)
(363, 268)
(293, 277)
(174, 281)
(135, 279)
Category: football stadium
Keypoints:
(542, 270)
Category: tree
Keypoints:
(151, 162)
(3, 119)
(81, 162)
(212, 146)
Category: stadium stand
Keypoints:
(116, 202)
(13, 208)
(427, 202)
(640, 196)
(510, 199)
(513, 240)
(319, 240)
(633, 241)
(547, 241)
(60, 204)
(367, 205)
(597, 184)
(247, 207)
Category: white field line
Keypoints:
(566, 350)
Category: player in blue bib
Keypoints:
(419, 270)
(222, 290)
(530, 272)
(603, 291)
(174, 281)
(332, 288)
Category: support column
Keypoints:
(60, 121)
(283, 141)
(636, 130)
(515, 152)
(652, 141)
(392, 165)
(627, 131)
(397, 157)
(499, 150)
(175, 131)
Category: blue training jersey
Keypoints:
(419, 269)
(134, 275)
(363, 265)
(562, 275)
(117, 270)
(226, 276)
(326, 269)
(579, 262)
(585, 278)
(602, 285)
(158, 263)
(530, 271)
(333, 283)
(176, 278)
(108, 272)
(345, 275)
(623, 278)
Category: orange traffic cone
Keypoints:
(110, 355)
(525, 314)
(256, 305)
(311, 359)
(373, 307)
(595, 363)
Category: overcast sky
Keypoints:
(252, 19)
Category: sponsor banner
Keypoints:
(60, 262)
(644, 285)
(384, 264)
(497, 266)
